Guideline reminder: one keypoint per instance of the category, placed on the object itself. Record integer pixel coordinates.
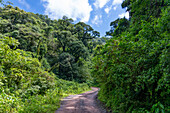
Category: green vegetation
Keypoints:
(60, 45)
(44, 60)
(25, 86)
(132, 68)
(36, 54)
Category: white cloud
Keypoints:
(117, 2)
(76, 9)
(115, 8)
(107, 9)
(97, 20)
(126, 15)
(100, 3)
(23, 2)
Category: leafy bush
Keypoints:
(25, 86)
(9, 103)
(133, 70)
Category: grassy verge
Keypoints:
(47, 103)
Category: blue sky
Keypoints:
(97, 13)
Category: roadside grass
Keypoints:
(47, 103)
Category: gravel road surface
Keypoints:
(82, 103)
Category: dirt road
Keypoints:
(82, 103)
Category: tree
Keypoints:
(132, 67)
(143, 10)
(118, 26)
(85, 32)
(77, 49)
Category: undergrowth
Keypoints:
(25, 87)
(47, 103)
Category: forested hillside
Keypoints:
(60, 45)
(133, 66)
(43, 60)
(36, 54)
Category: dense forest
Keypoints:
(133, 66)
(38, 55)
(43, 60)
